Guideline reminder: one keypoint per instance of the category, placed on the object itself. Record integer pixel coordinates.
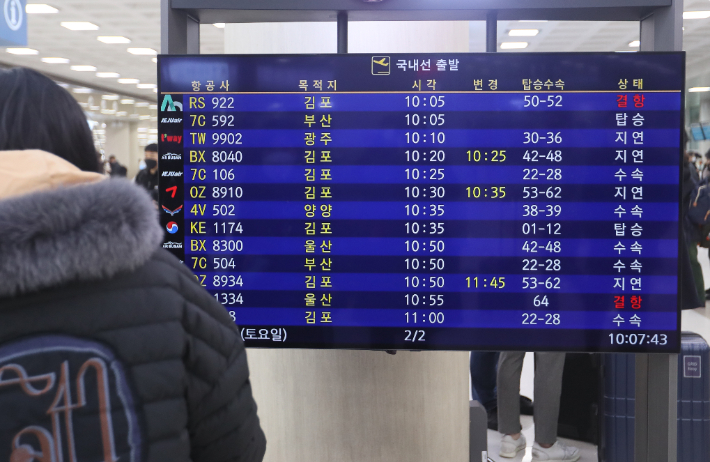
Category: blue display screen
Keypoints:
(706, 130)
(697, 131)
(429, 201)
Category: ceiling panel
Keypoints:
(140, 22)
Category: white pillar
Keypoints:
(122, 142)
(705, 110)
(134, 149)
(358, 406)
(362, 406)
(117, 141)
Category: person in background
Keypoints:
(109, 347)
(705, 173)
(148, 177)
(692, 233)
(484, 365)
(100, 160)
(705, 176)
(548, 388)
(117, 170)
(699, 163)
(692, 157)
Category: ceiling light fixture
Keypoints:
(142, 51)
(128, 81)
(635, 44)
(153, 106)
(146, 86)
(40, 8)
(82, 90)
(110, 97)
(145, 117)
(83, 68)
(79, 25)
(698, 89)
(513, 45)
(108, 75)
(142, 104)
(696, 14)
(22, 51)
(219, 25)
(523, 32)
(55, 60)
(155, 60)
(122, 113)
(113, 39)
(128, 101)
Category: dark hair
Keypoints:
(152, 147)
(36, 113)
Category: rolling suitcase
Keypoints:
(693, 403)
(617, 435)
(693, 399)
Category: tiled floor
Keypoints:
(691, 320)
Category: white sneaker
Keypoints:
(558, 452)
(510, 447)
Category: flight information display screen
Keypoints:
(429, 201)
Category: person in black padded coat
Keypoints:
(109, 348)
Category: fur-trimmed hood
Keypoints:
(72, 230)
(23, 172)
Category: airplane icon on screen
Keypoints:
(380, 65)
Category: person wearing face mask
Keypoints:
(148, 177)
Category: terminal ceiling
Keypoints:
(140, 22)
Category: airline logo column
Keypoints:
(170, 150)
